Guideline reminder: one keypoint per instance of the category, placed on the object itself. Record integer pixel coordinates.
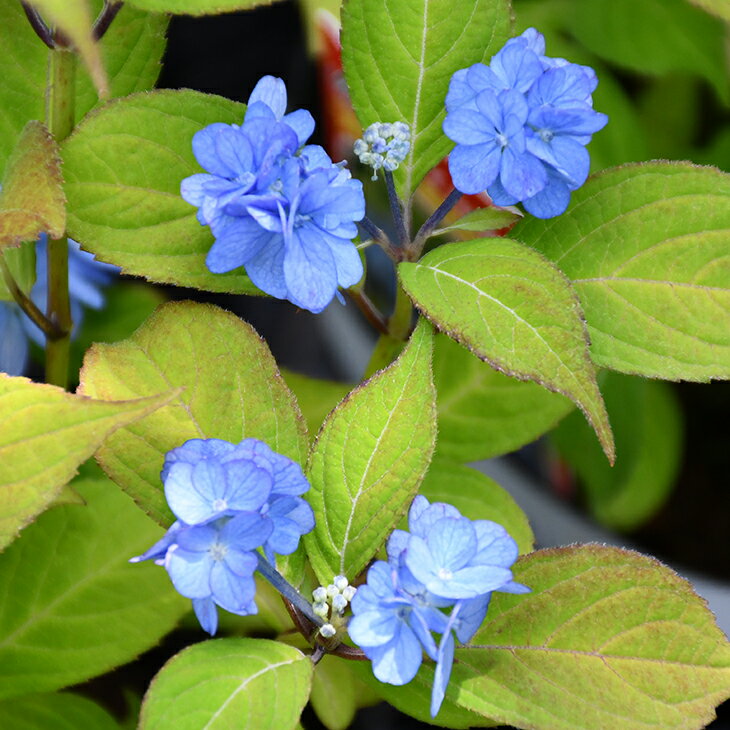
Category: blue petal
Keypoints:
(494, 545)
(271, 91)
(248, 486)
(398, 661)
(197, 539)
(241, 562)
(552, 200)
(471, 616)
(474, 168)
(206, 613)
(266, 268)
(159, 549)
(302, 122)
(422, 516)
(231, 591)
(189, 572)
(234, 151)
(188, 504)
(309, 270)
(191, 188)
(522, 175)
(206, 153)
(373, 628)
(13, 340)
(288, 476)
(193, 450)
(441, 676)
(452, 542)
(240, 243)
(397, 543)
(468, 127)
(246, 531)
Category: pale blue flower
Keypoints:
(521, 125)
(284, 212)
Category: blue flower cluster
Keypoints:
(229, 500)
(521, 125)
(446, 561)
(282, 210)
(87, 278)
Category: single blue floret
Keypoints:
(284, 212)
(446, 561)
(229, 500)
(521, 125)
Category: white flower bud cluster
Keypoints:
(383, 145)
(337, 595)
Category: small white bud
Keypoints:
(319, 594)
(339, 603)
(321, 609)
(328, 631)
(349, 593)
(341, 582)
(332, 590)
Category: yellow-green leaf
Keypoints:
(32, 200)
(45, 433)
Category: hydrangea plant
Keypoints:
(305, 541)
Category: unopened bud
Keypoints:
(340, 582)
(321, 609)
(328, 631)
(319, 594)
(339, 603)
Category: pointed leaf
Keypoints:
(647, 248)
(123, 167)
(131, 48)
(515, 310)
(72, 607)
(54, 711)
(368, 460)
(399, 56)
(21, 263)
(477, 497)
(717, 7)
(45, 433)
(483, 413)
(232, 390)
(73, 18)
(227, 683)
(484, 219)
(196, 7)
(607, 638)
(647, 422)
(32, 200)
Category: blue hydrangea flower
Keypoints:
(521, 125)
(284, 212)
(446, 561)
(230, 500)
(87, 278)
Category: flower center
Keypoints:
(445, 574)
(546, 135)
(219, 505)
(502, 140)
(218, 551)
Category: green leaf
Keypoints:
(647, 422)
(647, 248)
(73, 18)
(62, 711)
(399, 56)
(232, 390)
(32, 200)
(337, 693)
(123, 167)
(608, 638)
(21, 263)
(414, 699)
(72, 606)
(515, 310)
(484, 219)
(46, 434)
(483, 413)
(131, 50)
(477, 497)
(316, 397)
(624, 32)
(717, 7)
(229, 683)
(368, 461)
(197, 7)
(127, 305)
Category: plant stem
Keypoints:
(396, 209)
(369, 310)
(40, 28)
(106, 16)
(26, 303)
(287, 590)
(60, 102)
(436, 217)
(380, 237)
